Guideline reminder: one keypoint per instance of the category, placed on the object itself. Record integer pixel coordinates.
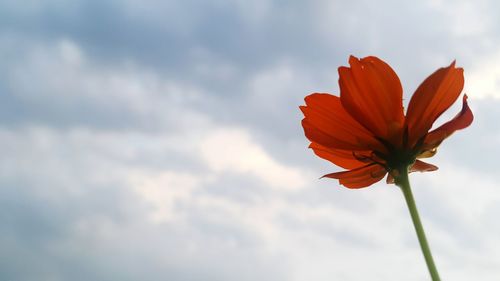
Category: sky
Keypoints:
(161, 140)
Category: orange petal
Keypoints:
(371, 92)
(418, 166)
(316, 135)
(327, 123)
(344, 158)
(462, 120)
(421, 166)
(434, 96)
(361, 177)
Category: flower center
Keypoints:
(398, 158)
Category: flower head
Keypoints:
(365, 130)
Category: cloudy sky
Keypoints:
(161, 140)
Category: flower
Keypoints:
(365, 130)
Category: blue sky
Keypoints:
(161, 140)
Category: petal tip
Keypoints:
(303, 109)
(353, 61)
(352, 57)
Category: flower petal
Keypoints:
(371, 92)
(462, 120)
(434, 96)
(346, 159)
(421, 166)
(316, 135)
(361, 177)
(327, 123)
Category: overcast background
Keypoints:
(161, 140)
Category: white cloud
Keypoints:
(314, 240)
(164, 190)
(483, 79)
(232, 150)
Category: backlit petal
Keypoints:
(346, 159)
(434, 96)
(326, 139)
(361, 177)
(421, 166)
(462, 120)
(371, 92)
(327, 123)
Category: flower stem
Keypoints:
(403, 182)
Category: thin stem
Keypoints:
(403, 182)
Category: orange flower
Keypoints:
(366, 131)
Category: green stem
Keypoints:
(403, 182)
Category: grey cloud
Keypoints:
(152, 80)
(190, 42)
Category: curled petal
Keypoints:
(363, 176)
(462, 120)
(434, 96)
(390, 179)
(346, 159)
(327, 123)
(371, 92)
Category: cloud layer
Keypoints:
(161, 141)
